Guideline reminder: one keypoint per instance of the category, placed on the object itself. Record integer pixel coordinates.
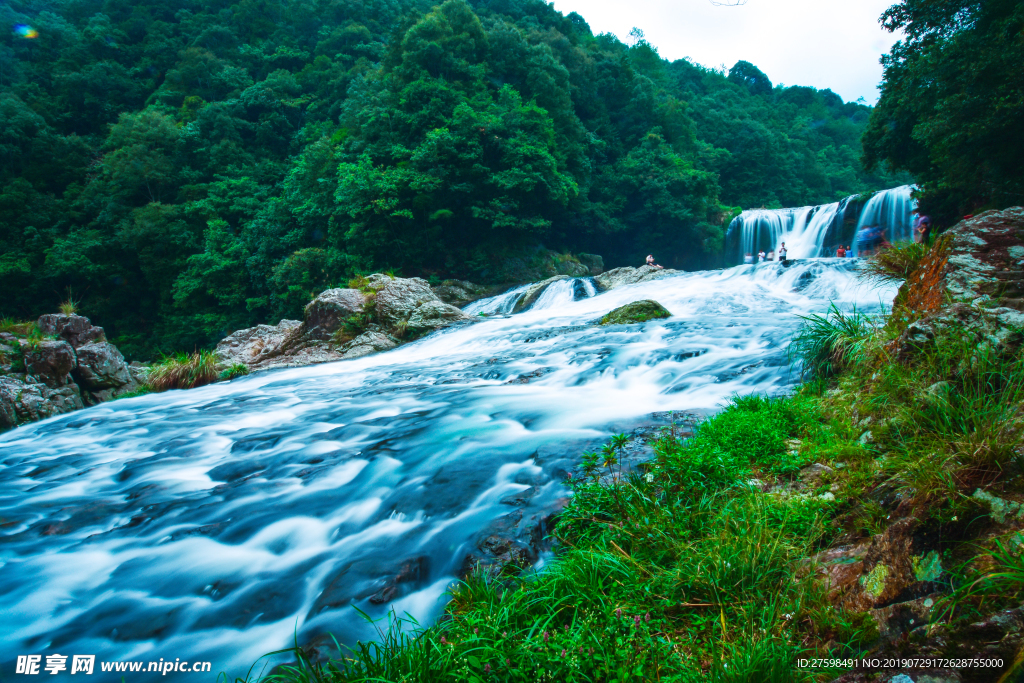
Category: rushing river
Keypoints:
(216, 523)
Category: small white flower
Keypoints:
(649, 477)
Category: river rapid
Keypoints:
(217, 524)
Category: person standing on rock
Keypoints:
(771, 256)
(760, 256)
(782, 252)
(841, 252)
(651, 263)
(922, 229)
(849, 251)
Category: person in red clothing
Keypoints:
(840, 252)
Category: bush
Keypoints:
(184, 371)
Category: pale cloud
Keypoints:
(822, 43)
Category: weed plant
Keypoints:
(233, 371)
(828, 344)
(184, 371)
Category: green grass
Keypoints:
(233, 371)
(184, 371)
(17, 327)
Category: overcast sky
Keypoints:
(823, 43)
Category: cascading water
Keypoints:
(557, 293)
(814, 231)
(215, 523)
(891, 210)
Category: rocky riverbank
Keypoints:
(59, 364)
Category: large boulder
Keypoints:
(399, 301)
(627, 275)
(74, 329)
(534, 291)
(254, 346)
(101, 366)
(399, 298)
(435, 314)
(636, 312)
(979, 261)
(50, 362)
(30, 401)
(325, 314)
(367, 343)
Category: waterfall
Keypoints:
(220, 523)
(815, 231)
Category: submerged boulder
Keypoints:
(367, 343)
(636, 312)
(461, 292)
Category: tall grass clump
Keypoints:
(12, 326)
(895, 264)
(184, 371)
(70, 304)
(830, 343)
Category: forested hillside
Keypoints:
(190, 167)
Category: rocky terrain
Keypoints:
(59, 364)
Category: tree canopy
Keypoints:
(952, 104)
(190, 167)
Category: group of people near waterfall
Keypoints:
(762, 256)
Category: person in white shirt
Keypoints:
(760, 256)
(782, 252)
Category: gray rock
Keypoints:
(461, 292)
(435, 314)
(50, 361)
(255, 346)
(74, 329)
(628, 275)
(534, 291)
(398, 299)
(367, 343)
(33, 401)
(812, 475)
(101, 366)
(325, 314)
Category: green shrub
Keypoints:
(184, 371)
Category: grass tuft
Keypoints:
(235, 370)
(830, 343)
(184, 371)
(895, 264)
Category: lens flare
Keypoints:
(26, 31)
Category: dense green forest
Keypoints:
(191, 167)
(952, 104)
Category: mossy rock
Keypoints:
(636, 312)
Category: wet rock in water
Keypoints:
(77, 330)
(254, 346)
(534, 291)
(325, 315)
(367, 343)
(30, 401)
(101, 366)
(628, 275)
(435, 314)
(50, 362)
(636, 312)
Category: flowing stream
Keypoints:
(217, 523)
